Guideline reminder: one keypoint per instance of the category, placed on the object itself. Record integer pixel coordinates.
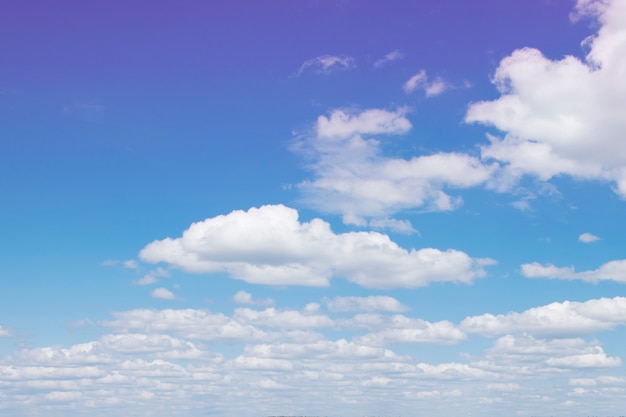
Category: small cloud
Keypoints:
(431, 88)
(243, 297)
(588, 238)
(6, 332)
(131, 264)
(326, 64)
(394, 55)
(396, 225)
(163, 294)
(152, 277)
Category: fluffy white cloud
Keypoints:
(269, 245)
(371, 303)
(588, 238)
(563, 116)
(163, 293)
(431, 87)
(325, 64)
(610, 271)
(394, 55)
(353, 178)
(555, 320)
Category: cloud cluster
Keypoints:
(563, 117)
(172, 359)
(420, 81)
(354, 178)
(269, 245)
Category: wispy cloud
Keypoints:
(326, 64)
(431, 88)
(394, 55)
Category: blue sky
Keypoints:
(338, 208)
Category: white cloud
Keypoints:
(563, 117)
(610, 271)
(243, 297)
(401, 329)
(163, 293)
(284, 319)
(394, 55)
(354, 179)
(588, 238)
(589, 360)
(371, 303)
(153, 277)
(342, 124)
(325, 64)
(269, 245)
(556, 319)
(6, 332)
(130, 264)
(187, 323)
(431, 87)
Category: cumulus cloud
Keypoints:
(420, 81)
(354, 178)
(556, 320)
(588, 238)
(371, 303)
(163, 293)
(325, 64)
(563, 117)
(394, 55)
(269, 245)
(610, 271)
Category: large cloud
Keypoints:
(354, 178)
(269, 245)
(563, 117)
(556, 320)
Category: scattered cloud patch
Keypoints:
(353, 177)
(588, 238)
(326, 64)
(431, 88)
(269, 245)
(392, 56)
(610, 271)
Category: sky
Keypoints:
(313, 207)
